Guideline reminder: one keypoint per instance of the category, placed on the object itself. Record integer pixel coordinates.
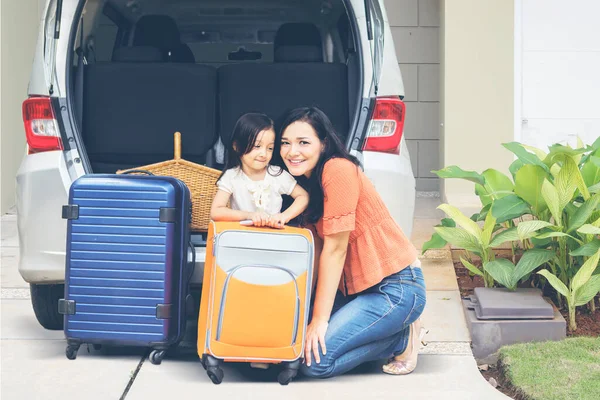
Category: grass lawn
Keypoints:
(569, 369)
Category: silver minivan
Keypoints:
(112, 80)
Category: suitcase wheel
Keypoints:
(289, 372)
(213, 369)
(71, 351)
(215, 374)
(156, 356)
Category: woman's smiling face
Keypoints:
(300, 148)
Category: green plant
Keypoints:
(549, 212)
(582, 288)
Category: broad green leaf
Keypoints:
(528, 186)
(448, 222)
(456, 172)
(585, 272)
(531, 260)
(554, 170)
(588, 291)
(580, 145)
(566, 182)
(555, 282)
(594, 188)
(589, 229)
(462, 220)
(527, 228)
(502, 271)
(591, 170)
(547, 235)
(596, 144)
(484, 196)
(559, 153)
(471, 267)
(509, 207)
(540, 153)
(515, 166)
(459, 238)
(587, 250)
(436, 242)
(508, 235)
(583, 213)
(482, 215)
(488, 228)
(497, 184)
(524, 155)
(550, 196)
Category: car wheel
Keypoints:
(44, 299)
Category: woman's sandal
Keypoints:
(405, 363)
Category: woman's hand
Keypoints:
(315, 335)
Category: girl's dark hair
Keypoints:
(246, 129)
(333, 148)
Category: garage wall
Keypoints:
(478, 103)
(415, 28)
(19, 23)
(560, 63)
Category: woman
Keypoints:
(370, 290)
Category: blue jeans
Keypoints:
(371, 325)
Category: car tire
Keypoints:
(44, 299)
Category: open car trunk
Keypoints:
(156, 67)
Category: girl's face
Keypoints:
(259, 156)
(300, 148)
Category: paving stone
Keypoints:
(436, 377)
(9, 273)
(444, 317)
(439, 274)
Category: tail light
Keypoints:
(386, 126)
(41, 128)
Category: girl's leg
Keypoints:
(373, 325)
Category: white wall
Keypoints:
(560, 67)
(19, 23)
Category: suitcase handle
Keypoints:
(137, 171)
(263, 266)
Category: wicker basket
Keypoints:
(199, 179)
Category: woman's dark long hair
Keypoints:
(246, 129)
(333, 148)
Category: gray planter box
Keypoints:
(499, 317)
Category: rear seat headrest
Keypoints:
(156, 30)
(161, 31)
(137, 54)
(298, 42)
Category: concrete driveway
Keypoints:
(34, 366)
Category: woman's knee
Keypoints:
(319, 371)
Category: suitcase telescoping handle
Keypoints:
(262, 266)
(137, 171)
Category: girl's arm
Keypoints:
(220, 212)
(300, 203)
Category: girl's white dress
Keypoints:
(248, 195)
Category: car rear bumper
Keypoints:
(42, 187)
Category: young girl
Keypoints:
(253, 186)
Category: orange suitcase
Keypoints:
(255, 297)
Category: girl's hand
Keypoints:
(315, 335)
(278, 221)
(259, 218)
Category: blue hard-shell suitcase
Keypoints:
(127, 270)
